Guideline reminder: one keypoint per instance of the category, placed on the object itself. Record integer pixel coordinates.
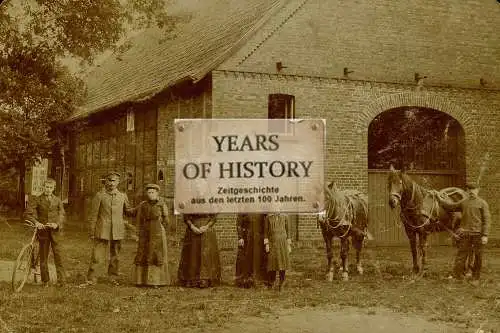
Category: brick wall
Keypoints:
(451, 42)
(385, 43)
(349, 106)
(184, 102)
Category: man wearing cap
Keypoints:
(107, 227)
(472, 232)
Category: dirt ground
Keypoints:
(312, 319)
(339, 320)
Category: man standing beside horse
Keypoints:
(472, 233)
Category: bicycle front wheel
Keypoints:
(22, 267)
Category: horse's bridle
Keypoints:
(397, 196)
(428, 216)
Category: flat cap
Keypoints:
(153, 186)
(471, 186)
(112, 173)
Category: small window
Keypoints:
(281, 106)
(160, 176)
(130, 120)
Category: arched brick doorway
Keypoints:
(429, 144)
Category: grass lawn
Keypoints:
(105, 308)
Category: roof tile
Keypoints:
(215, 29)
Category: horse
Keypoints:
(345, 216)
(421, 213)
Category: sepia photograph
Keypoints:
(295, 166)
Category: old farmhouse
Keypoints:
(368, 67)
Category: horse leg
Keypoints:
(423, 251)
(357, 243)
(469, 264)
(412, 236)
(329, 255)
(344, 251)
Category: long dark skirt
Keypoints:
(154, 275)
(251, 261)
(199, 265)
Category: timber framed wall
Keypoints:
(105, 144)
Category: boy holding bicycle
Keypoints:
(47, 211)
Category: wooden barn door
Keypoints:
(429, 144)
(384, 223)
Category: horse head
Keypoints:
(331, 192)
(396, 186)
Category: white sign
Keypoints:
(39, 173)
(249, 166)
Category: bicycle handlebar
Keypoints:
(31, 223)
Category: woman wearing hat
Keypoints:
(151, 264)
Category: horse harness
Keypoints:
(428, 215)
(343, 219)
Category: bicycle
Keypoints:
(28, 261)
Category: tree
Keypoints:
(413, 138)
(36, 89)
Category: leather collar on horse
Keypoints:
(429, 208)
(411, 208)
(340, 213)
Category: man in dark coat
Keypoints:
(47, 211)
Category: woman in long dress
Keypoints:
(277, 243)
(151, 260)
(250, 258)
(199, 265)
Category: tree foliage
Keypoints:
(36, 89)
(415, 138)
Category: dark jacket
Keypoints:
(151, 217)
(476, 217)
(46, 210)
